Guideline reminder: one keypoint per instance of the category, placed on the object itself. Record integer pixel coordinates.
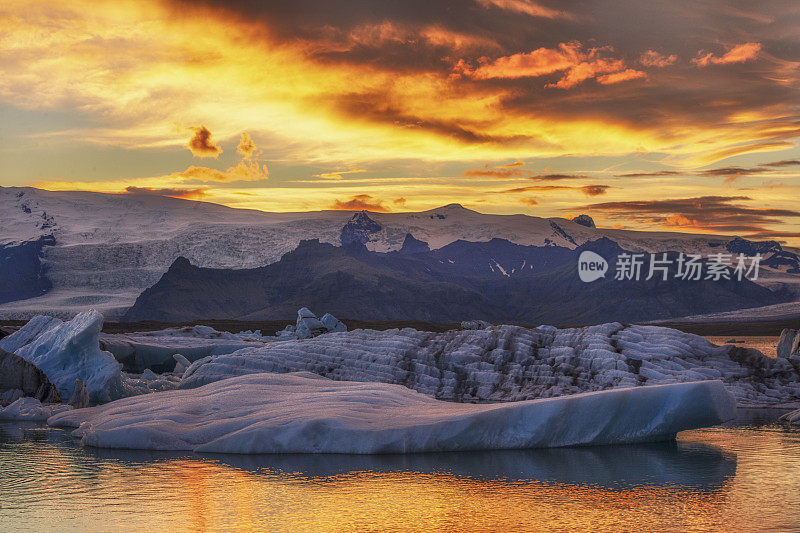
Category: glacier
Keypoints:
(108, 248)
(66, 351)
(305, 413)
(512, 363)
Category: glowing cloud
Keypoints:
(623, 75)
(360, 202)
(738, 54)
(651, 58)
(525, 7)
(576, 64)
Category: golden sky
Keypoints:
(669, 115)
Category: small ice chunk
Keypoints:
(308, 327)
(31, 409)
(181, 363)
(149, 375)
(305, 312)
(80, 397)
(332, 324)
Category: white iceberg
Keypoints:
(31, 410)
(66, 351)
(291, 413)
(511, 363)
(332, 324)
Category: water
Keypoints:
(742, 477)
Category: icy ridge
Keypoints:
(510, 363)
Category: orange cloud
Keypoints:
(525, 7)
(623, 75)
(738, 54)
(245, 170)
(399, 201)
(536, 63)
(577, 65)
(651, 58)
(201, 144)
(360, 202)
(529, 201)
(586, 70)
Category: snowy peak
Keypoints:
(359, 229)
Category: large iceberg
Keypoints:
(66, 351)
(291, 413)
(511, 363)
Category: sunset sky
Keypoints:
(676, 115)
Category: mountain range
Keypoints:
(64, 252)
(497, 281)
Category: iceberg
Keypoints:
(31, 410)
(155, 349)
(66, 351)
(303, 413)
(512, 363)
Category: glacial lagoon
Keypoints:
(742, 476)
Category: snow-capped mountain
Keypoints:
(102, 250)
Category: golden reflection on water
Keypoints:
(713, 480)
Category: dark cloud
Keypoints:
(784, 163)
(713, 213)
(730, 173)
(360, 202)
(515, 170)
(654, 174)
(588, 190)
(594, 190)
(201, 144)
(188, 194)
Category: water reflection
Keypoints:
(705, 482)
(687, 464)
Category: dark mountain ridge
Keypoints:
(497, 281)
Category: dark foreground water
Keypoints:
(744, 477)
